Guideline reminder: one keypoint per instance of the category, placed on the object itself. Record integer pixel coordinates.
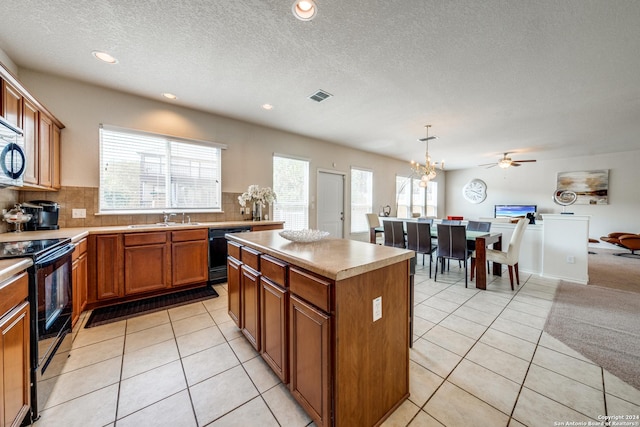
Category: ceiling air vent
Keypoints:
(320, 96)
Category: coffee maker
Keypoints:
(44, 215)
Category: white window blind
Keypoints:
(145, 172)
(418, 198)
(361, 199)
(291, 184)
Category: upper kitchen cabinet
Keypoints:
(41, 133)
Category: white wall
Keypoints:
(535, 183)
(82, 107)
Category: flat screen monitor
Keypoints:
(514, 211)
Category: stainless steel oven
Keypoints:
(51, 302)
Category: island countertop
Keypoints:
(333, 258)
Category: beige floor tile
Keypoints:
(534, 409)
(192, 324)
(512, 345)
(157, 334)
(455, 296)
(617, 406)
(220, 315)
(80, 382)
(534, 310)
(216, 303)
(147, 321)
(150, 387)
(517, 329)
(498, 361)
(261, 374)
(449, 339)
(423, 419)
(229, 330)
(208, 363)
(429, 313)
(421, 326)
(90, 410)
(523, 318)
(221, 289)
(616, 387)
(474, 315)
(243, 350)
(247, 415)
(199, 340)
(486, 385)
(484, 306)
(568, 392)
(285, 408)
(568, 366)
(433, 357)
(172, 411)
(402, 416)
(221, 394)
(441, 304)
(463, 326)
(514, 423)
(527, 299)
(454, 407)
(422, 383)
(185, 311)
(552, 343)
(94, 353)
(99, 333)
(148, 358)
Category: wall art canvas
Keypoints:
(591, 187)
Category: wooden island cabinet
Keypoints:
(331, 319)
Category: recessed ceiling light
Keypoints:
(169, 95)
(304, 10)
(105, 57)
(267, 106)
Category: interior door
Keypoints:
(331, 203)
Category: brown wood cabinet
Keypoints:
(106, 254)
(30, 124)
(45, 138)
(15, 396)
(147, 262)
(250, 304)
(11, 104)
(274, 308)
(233, 289)
(79, 274)
(189, 256)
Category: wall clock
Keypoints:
(475, 191)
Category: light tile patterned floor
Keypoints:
(480, 358)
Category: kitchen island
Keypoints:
(331, 318)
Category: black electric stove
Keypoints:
(30, 248)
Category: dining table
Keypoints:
(482, 240)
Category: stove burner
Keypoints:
(29, 248)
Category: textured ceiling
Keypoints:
(543, 79)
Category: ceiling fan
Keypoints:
(506, 162)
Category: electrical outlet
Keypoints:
(78, 213)
(377, 308)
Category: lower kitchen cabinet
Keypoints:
(274, 306)
(15, 380)
(233, 289)
(146, 262)
(189, 257)
(79, 274)
(250, 305)
(106, 271)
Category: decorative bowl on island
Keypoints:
(304, 236)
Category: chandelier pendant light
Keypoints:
(427, 172)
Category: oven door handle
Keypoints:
(55, 256)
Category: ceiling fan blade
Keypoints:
(514, 164)
(524, 161)
(488, 164)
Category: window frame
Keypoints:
(362, 222)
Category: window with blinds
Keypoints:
(291, 184)
(361, 199)
(146, 172)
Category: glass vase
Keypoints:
(257, 212)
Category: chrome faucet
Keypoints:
(167, 217)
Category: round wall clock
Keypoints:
(475, 191)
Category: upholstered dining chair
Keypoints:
(511, 256)
(450, 221)
(374, 223)
(419, 240)
(452, 244)
(394, 234)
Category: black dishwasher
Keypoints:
(218, 252)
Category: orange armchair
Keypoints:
(629, 241)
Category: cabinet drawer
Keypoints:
(313, 289)
(187, 235)
(274, 269)
(250, 257)
(233, 250)
(13, 291)
(136, 239)
(81, 248)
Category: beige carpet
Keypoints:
(610, 271)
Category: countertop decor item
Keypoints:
(304, 236)
(17, 217)
(257, 198)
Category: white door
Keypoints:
(331, 203)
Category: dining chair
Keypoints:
(452, 244)
(374, 223)
(511, 256)
(394, 234)
(419, 240)
(450, 221)
(477, 226)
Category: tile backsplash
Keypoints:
(87, 198)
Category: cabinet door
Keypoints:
(233, 289)
(274, 305)
(14, 356)
(11, 104)
(30, 128)
(45, 137)
(74, 293)
(146, 268)
(250, 303)
(55, 158)
(108, 266)
(79, 286)
(310, 359)
(189, 262)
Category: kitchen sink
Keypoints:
(163, 224)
